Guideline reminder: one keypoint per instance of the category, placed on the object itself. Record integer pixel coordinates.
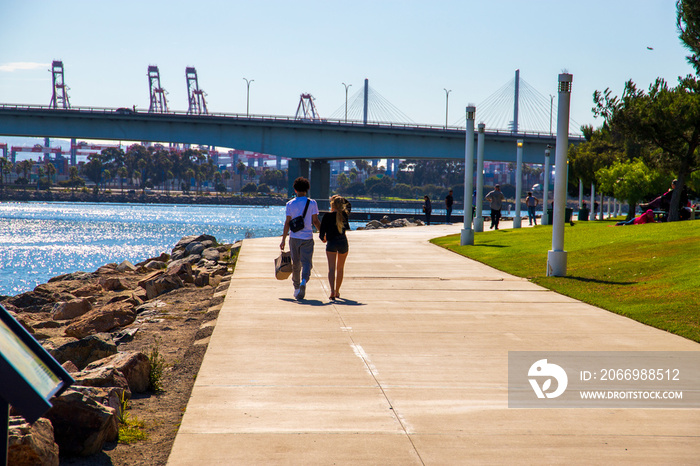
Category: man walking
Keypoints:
(301, 242)
(449, 200)
(496, 198)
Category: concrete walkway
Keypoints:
(410, 367)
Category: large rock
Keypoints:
(195, 248)
(211, 254)
(114, 284)
(126, 266)
(104, 319)
(81, 424)
(192, 239)
(71, 309)
(31, 444)
(108, 396)
(86, 290)
(133, 364)
(81, 352)
(107, 269)
(162, 284)
(182, 269)
(71, 276)
(164, 257)
(105, 376)
(154, 265)
(30, 301)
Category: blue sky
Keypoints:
(409, 50)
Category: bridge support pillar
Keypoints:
(297, 168)
(320, 182)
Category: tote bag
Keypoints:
(283, 265)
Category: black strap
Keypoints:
(306, 207)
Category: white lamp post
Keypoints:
(346, 100)
(447, 101)
(556, 258)
(247, 96)
(479, 218)
(545, 194)
(517, 221)
(467, 234)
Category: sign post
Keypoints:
(30, 377)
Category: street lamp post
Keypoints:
(467, 234)
(556, 257)
(447, 101)
(517, 220)
(545, 194)
(478, 199)
(551, 105)
(247, 96)
(346, 100)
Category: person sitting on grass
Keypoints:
(646, 217)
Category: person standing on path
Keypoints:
(427, 208)
(332, 232)
(449, 200)
(496, 198)
(531, 202)
(301, 242)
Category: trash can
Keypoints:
(567, 215)
(583, 214)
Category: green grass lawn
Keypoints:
(649, 273)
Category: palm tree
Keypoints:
(51, 170)
(40, 175)
(73, 175)
(106, 178)
(240, 168)
(227, 176)
(5, 169)
(122, 173)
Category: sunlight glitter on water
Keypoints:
(41, 240)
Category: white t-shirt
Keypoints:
(295, 208)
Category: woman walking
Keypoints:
(332, 232)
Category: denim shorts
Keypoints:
(339, 245)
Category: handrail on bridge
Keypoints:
(280, 118)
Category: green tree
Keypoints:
(240, 169)
(667, 118)
(51, 170)
(122, 173)
(599, 150)
(74, 177)
(5, 169)
(249, 188)
(631, 181)
(688, 22)
(343, 181)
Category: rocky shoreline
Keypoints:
(110, 329)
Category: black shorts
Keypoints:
(339, 245)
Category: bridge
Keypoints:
(301, 141)
(309, 142)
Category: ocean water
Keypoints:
(41, 240)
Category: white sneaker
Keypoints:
(302, 290)
(296, 293)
